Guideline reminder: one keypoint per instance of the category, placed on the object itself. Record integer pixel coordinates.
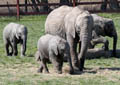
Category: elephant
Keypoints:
(14, 34)
(103, 27)
(74, 25)
(52, 48)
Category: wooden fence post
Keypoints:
(26, 6)
(18, 10)
(74, 3)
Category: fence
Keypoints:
(26, 6)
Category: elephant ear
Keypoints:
(15, 33)
(54, 48)
(70, 25)
(17, 36)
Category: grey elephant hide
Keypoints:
(74, 25)
(52, 48)
(12, 35)
(103, 27)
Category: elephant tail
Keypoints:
(37, 56)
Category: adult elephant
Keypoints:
(103, 27)
(75, 26)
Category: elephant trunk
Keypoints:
(114, 44)
(23, 47)
(84, 45)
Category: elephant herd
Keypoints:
(65, 28)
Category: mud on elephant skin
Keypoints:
(12, 35)
(103, 27)
(74, 25)
(52, 48)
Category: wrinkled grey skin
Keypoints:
(103, 27)
(12, 35)
(75, 26)
(52, 48)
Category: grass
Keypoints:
(23, 71)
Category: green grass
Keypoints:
(23, 71)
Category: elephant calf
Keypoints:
(52, 48)
(12, 35)
(103, 27)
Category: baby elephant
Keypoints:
(52, 48)
(12, 35)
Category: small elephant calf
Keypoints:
(52, 48)
(12, 35)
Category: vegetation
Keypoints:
(15, 70)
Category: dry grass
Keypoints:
(23, 71)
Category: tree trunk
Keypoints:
(35, 6)
(99, 52)
(114, 4)
(44, 8)
(104, 5)
(64, 1)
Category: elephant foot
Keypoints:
(46, 72)
(71, 72)
(105, 48)
(76, 68)
(22, 55)
(10, 54)
(39, 71)
(59, 72)
(81, 69)
(14, 54)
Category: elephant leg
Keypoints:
(57, 62)
(40, 68)
(57, 65)
(101, 40)
(43, 62)
(7, 48)
(11, 53)
(22, 50)
(71, 67)
(73, 52)
(15, 51)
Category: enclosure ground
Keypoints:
(23, 71)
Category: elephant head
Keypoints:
(78, 24)
(13, 34)
(21, 35)
(105, 27)
(84, 27)
(62, 49)
(110, 31)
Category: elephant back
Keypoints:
(54, 23)
(43, 44)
